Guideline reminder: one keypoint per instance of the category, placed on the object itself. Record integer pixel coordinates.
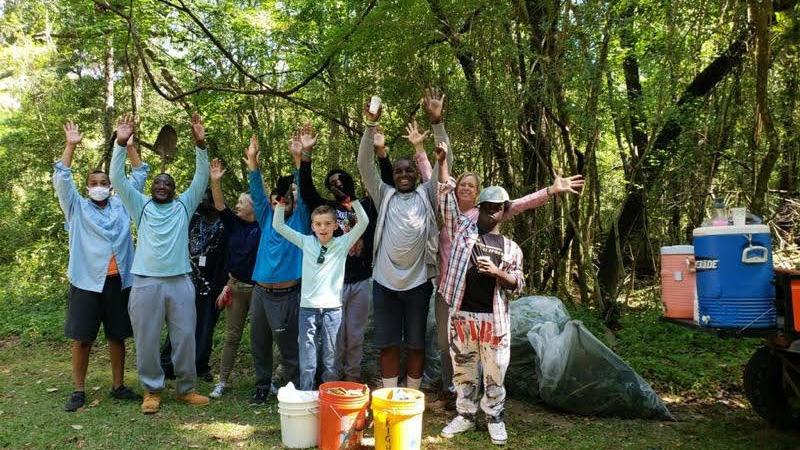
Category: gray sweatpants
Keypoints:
(154, 301)
(274, 316)
(350, 345)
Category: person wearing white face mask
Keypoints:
(100, 258)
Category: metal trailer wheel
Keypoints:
(772, 385)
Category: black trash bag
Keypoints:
(577, 373)
(526, 313)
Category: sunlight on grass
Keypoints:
(222, 431)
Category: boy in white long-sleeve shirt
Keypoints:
(324, 258)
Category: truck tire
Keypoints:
(768, 395)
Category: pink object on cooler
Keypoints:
(678, 289)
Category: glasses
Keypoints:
(321, 257)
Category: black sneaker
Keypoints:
(76, 400)
(259, 397)
(207, 377)
(124, 393)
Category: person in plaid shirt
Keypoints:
(483, 266)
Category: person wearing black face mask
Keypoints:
(100, 258)
(208, 246)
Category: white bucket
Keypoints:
(299, 423)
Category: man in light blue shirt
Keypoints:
(100, 257)
(162, 289)
(275, 303)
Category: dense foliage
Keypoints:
(658, 103)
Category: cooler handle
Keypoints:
(691, 264)
(755, 254)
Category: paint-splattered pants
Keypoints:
(475, 349)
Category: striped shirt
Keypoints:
(464, 234)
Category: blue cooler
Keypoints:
(734, 276)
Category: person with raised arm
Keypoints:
(358, 269)
(406, 238)
(276, 296)
(324, 258)
(162, 290)
(243, 236)
(99, 269)
(484, 265)
(467, 186)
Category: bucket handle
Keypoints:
(755, 254)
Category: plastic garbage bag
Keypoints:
(579, 374)
(526, 313)
(431, 376)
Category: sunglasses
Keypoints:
(321, 257)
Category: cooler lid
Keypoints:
(678, 250)
(744, 229)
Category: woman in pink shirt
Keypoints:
(467, 188)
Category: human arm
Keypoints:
(305, 185)
(510, 278)
(382, 155)
(131, 197)
(73, 138)
(63, 181)
(217, 171)
(192, 196)
(560, 185)
(366, 165)
(256, 183)
(279, 224)
(139, 169)
(417, 140)
(362, 222)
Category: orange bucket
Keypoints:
(343, 410)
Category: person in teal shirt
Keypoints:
(99, 270)
(162, 288)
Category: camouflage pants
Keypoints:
(474, 349)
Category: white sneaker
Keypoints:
(458, 425)
(218, 390)
(497, 431)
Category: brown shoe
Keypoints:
(193, 398)
(151, 403)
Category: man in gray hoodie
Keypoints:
(405, 252)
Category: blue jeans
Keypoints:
(317, 324)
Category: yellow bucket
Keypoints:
(397, 415)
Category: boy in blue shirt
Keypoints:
(276, 295)
(324, 258)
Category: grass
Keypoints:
(708, 405)
(697, 374)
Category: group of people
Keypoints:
(300, 264)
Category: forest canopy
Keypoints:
(661, 105)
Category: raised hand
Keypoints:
(251, 154)
(372, 117)
(441, 152)
(308, 137)
(217, 170)
(72, 134)
(198, 131)
(573, 184)
(414, 136)
(433, 102)
(124, 129)
(379, 140)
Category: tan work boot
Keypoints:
(193, 398)
(151, 403)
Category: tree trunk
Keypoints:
(108, 107)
